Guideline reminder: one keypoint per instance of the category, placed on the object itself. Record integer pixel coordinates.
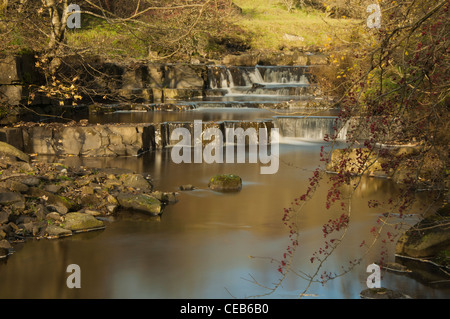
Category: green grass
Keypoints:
(265, 23)
(268, 21)
(102, 37)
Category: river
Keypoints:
(209, 244)
(200, 246)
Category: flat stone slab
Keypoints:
(57, 232)
(10, 198)
(80, 222)
(142, 202)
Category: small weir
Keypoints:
(314, 128)
(235, 97)
(260, 83)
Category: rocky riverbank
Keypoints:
(429, 239)
(47, 200)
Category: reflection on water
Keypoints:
(204, 114)
(200, 246)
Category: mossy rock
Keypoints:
(142, 202)
(425, 239)
(225, 183)
(81, 222)
(53, 199)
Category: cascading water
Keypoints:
(260, 83)
(313, 128)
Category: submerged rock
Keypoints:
(165, 197)
(187, 187)
(225, 183)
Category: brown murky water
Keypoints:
(200, 247)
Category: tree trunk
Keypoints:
(58, 15)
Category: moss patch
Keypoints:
(225, 183)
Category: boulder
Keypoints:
(187, 187)
(81, 222)
(165, 197)
(382, 293)
(10, 198)
(427, 243)
(140, 202)
(60, 209)
(30, 228)
(5, 244)
(30, 181)
(112, 209)
(52, 199)
(92, 212)
(4, 217)
(428, 237)
(15, 186)
(56, 231)
(9, 150)
(52, 188)
(136, 181)
(54, 216)
(225, 183)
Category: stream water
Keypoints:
(209, 244)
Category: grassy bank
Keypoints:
(266, 25)
(273, 27)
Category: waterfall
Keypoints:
(260, 82)
(285, 74)
(313, 128)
